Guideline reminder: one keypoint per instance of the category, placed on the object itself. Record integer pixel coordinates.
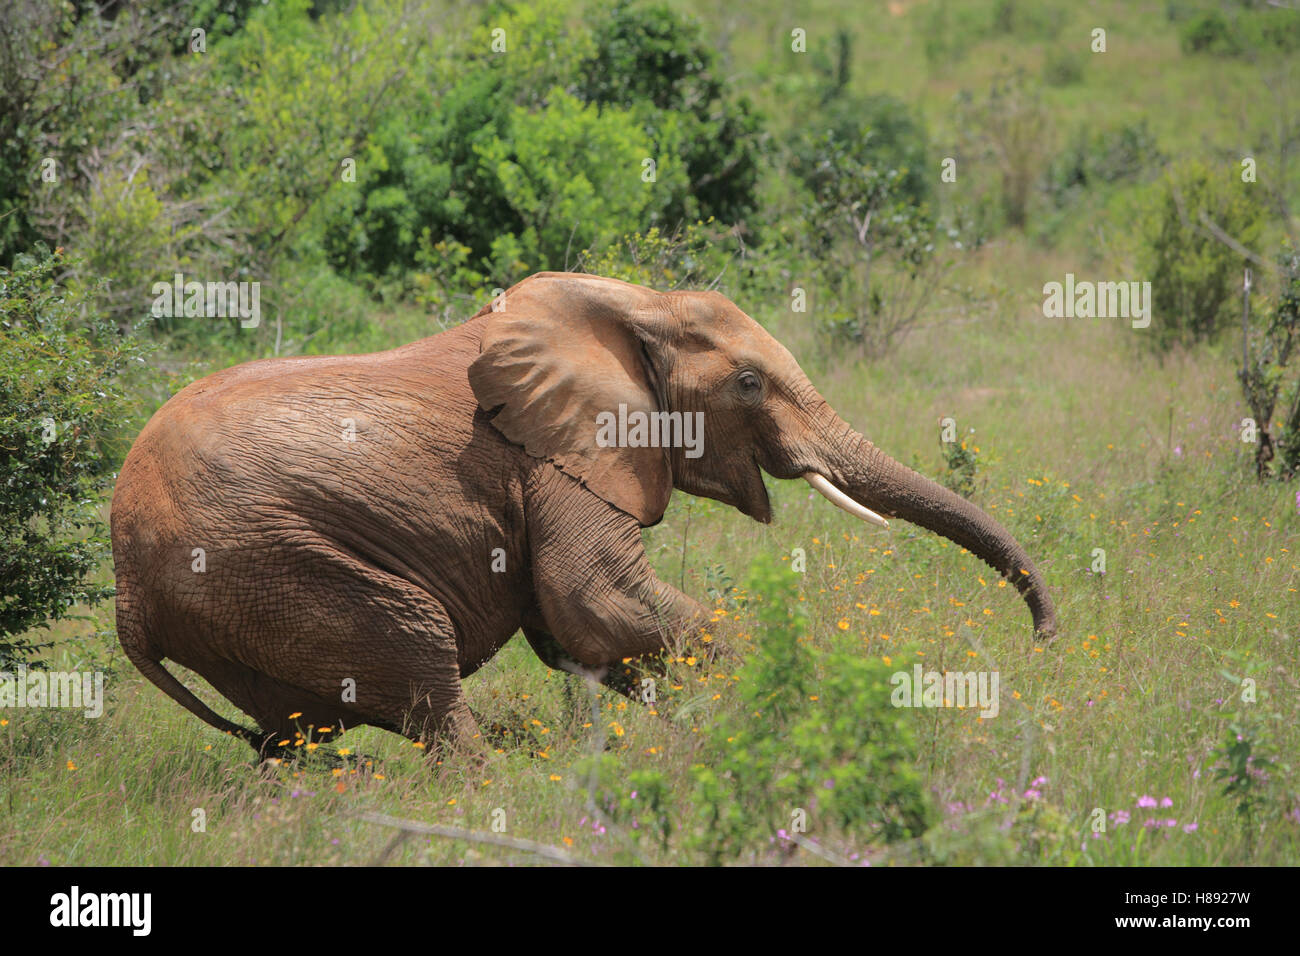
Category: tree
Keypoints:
(1193, 275)
(649, 58)
(63, 374)
(1013, 130)
(1265, 372)
(879, 251)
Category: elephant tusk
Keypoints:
(840, 500)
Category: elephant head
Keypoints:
(569, 361)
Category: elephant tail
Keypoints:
(173, 688)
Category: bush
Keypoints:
(877, 249)
(571, 174)
(1194, 276)
(651, 58)
(1269, 376)
(881, 132)
(1063, 67)
(834, 747)
(1014, 133)
(1244, 32)
(72, 76)
(63, 371)
(524, 159)
(690, 257)
(1209, 32)
(1103, 157)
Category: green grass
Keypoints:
(1077, 451)
(1083, 444)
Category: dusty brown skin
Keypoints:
(373, 559)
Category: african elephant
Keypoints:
(291, 528)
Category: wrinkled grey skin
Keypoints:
(474, 500)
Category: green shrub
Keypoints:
(1063, 67)
(950, 29)
(833, 747)
(1102, 157)
(1269, 377)
(880, 132)
(687, 258)
(878, 254)
(63, 370)
(651, 58)
(1195, 276)
(962, 460)
(523, 159)
(1039, 19)
(1245, 31)
(572, 174)
(1243, 761)
(1011, 129)
(1209, 32)
(72, 79)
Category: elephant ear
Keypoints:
(555, 368)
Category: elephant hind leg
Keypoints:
(288, 716)
(167, 682)
(345, 641)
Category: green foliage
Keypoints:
(1269, 377)
(1209, 32)
(962, 459)
(1193, 275)
(879, 132)
(1241, 760)
(129, 232)
(877, 249)
(1011, 128)
(308, 96)
(570, 174)
(830, 745)
(1245, 31)
(63, 371)
(641, 801)
(721, 588)
(562, 143)
(651, 58)
(72, 76)
(1033, 829)
(950, 29)
(420, 183)
(1037, 19)
(1243, 771)
(1100, 158)
(687, 258)
(1064, 67)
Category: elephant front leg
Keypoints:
(624, 677)
(599, 598)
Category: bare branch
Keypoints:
(477, 836)
(1208, 227)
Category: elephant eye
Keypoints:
(749, 384)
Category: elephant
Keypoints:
(333, 541)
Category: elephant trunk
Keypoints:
(878, 482)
